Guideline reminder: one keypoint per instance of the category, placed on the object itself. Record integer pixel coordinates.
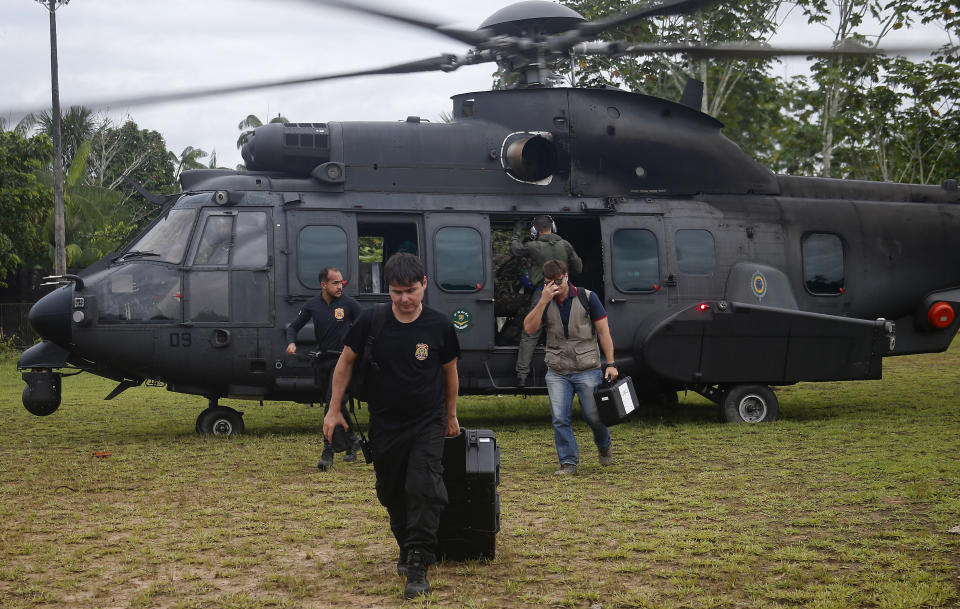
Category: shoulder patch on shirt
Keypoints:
(422, 351)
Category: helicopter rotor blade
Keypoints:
(741, 50)
(443, 63)
(470, 37)
(656, 8)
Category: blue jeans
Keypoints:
(561, 388)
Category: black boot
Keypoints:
(326, 458)
(417, 584)
(402, 563)
(351, 454)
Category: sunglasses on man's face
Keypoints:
(557, 282)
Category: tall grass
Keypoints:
(847, 501)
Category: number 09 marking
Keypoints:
(180, 340)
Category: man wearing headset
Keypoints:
(546, 246)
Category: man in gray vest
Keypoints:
(546, 245)
(577, 330)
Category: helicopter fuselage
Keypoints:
(714, 271)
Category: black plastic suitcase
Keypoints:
(616, 400)
(471, 473)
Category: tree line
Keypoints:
(102, 208)
(877, 118)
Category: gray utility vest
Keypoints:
(577, 352)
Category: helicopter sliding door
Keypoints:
(635, 256)
(460, 275)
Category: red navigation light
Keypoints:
(940, 315)
(703, 306)
(656, 287)
(479, 287)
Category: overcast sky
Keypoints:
(120, 48)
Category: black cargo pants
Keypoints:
(323, 377)
(409, 468)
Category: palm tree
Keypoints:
(189, 159)
(250, 123)
(76, 127)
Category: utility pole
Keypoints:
(59, 225)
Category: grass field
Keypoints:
(847, 501)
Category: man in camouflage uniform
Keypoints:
(511, 297)
(546, 245)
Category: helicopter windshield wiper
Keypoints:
(133, 254)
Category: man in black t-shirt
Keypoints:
(413, 405)
(333, 313)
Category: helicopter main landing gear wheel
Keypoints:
(749, 404)
(220, 421)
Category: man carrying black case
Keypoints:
(412, 405)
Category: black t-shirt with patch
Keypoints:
(330, 321)
(408, 386)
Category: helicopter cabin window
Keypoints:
(167, 240)
(140, 293)
(320, 247)
(377, 241)
(636, 262)
(459, 256)
(696, 251)
(823, 264)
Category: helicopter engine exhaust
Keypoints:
(531, 159)
(41, 396)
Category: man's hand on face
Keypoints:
(550, 290)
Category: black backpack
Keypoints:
(364, 365)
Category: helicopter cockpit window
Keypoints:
(320, 247)
(459, 256)
(250, 248)
(167, 240)
(636, 262)
(140, 293)
(696, 252)
(823, 264)
(215, 243)
(377, 242)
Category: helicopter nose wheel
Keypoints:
(749, 404)
(220, 421)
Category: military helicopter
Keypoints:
(718, 276)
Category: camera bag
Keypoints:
(616, 400)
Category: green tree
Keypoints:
(76, 127)
(142, 155)
(739, 92)
(189, 159)
(24, 199)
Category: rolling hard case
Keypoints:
(616, 400)
(471, 473)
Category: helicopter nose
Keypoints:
(50, 316)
